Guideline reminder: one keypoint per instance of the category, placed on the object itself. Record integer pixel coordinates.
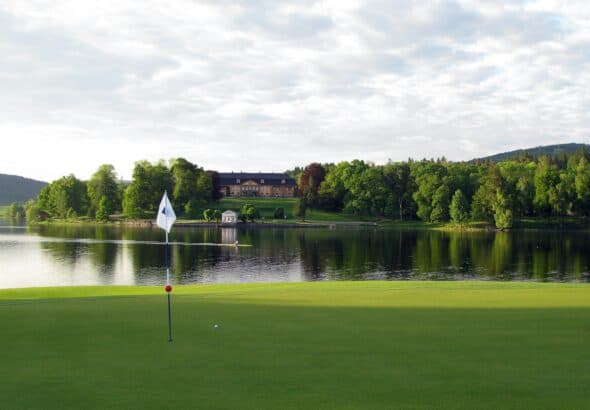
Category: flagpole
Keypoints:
(168, 287)
(165, 219)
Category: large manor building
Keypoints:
(256, 184)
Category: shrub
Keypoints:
(248, 212)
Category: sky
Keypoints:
(268, 85)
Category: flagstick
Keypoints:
(166, 211)
(168, 284)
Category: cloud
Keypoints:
(266, 85)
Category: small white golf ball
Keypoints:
(216, 326)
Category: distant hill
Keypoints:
(548, 150)
(18, 189)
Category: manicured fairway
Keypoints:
(331, 345)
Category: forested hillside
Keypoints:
(532, 153)
(429, 190)
(441, 191)
(18, 189)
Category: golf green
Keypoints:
(329, 345)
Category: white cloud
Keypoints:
(265, 85)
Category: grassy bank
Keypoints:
(345, 345)
(267, 206)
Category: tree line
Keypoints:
(434, 190)
(440, 190)
(188, 185)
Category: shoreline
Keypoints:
(526, 224)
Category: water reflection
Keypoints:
(64, 255)
(229, 235)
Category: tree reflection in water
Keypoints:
(315, 254)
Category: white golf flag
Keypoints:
(166, 215)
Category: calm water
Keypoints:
(52, 255)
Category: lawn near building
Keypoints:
(344, 345)
(267, 206)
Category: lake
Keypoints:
(50, 255)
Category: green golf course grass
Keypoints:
(328, 345)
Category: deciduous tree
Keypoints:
(103, 184)
(459, 208)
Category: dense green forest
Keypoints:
(18, 189)
(429, 190)
(188, 185)
(440, 191)
(532, 153)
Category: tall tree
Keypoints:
(546, 180)
(309, 182)
(503, 216)
(428, 176)
(484, 200)
(332, 192)
(104, 210)
(184, 176)
(64, 197)
(205, 188)
(368, 192)
(582, 182)
(518, 177)
(459, 208)
(103, 184)
(398, 180)
(440, 204)
(142, 196)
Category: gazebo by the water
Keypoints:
(229, 217)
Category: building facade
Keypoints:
(243, 184)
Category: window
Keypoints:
(262, 181)
(238, 181)
(282, 181)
